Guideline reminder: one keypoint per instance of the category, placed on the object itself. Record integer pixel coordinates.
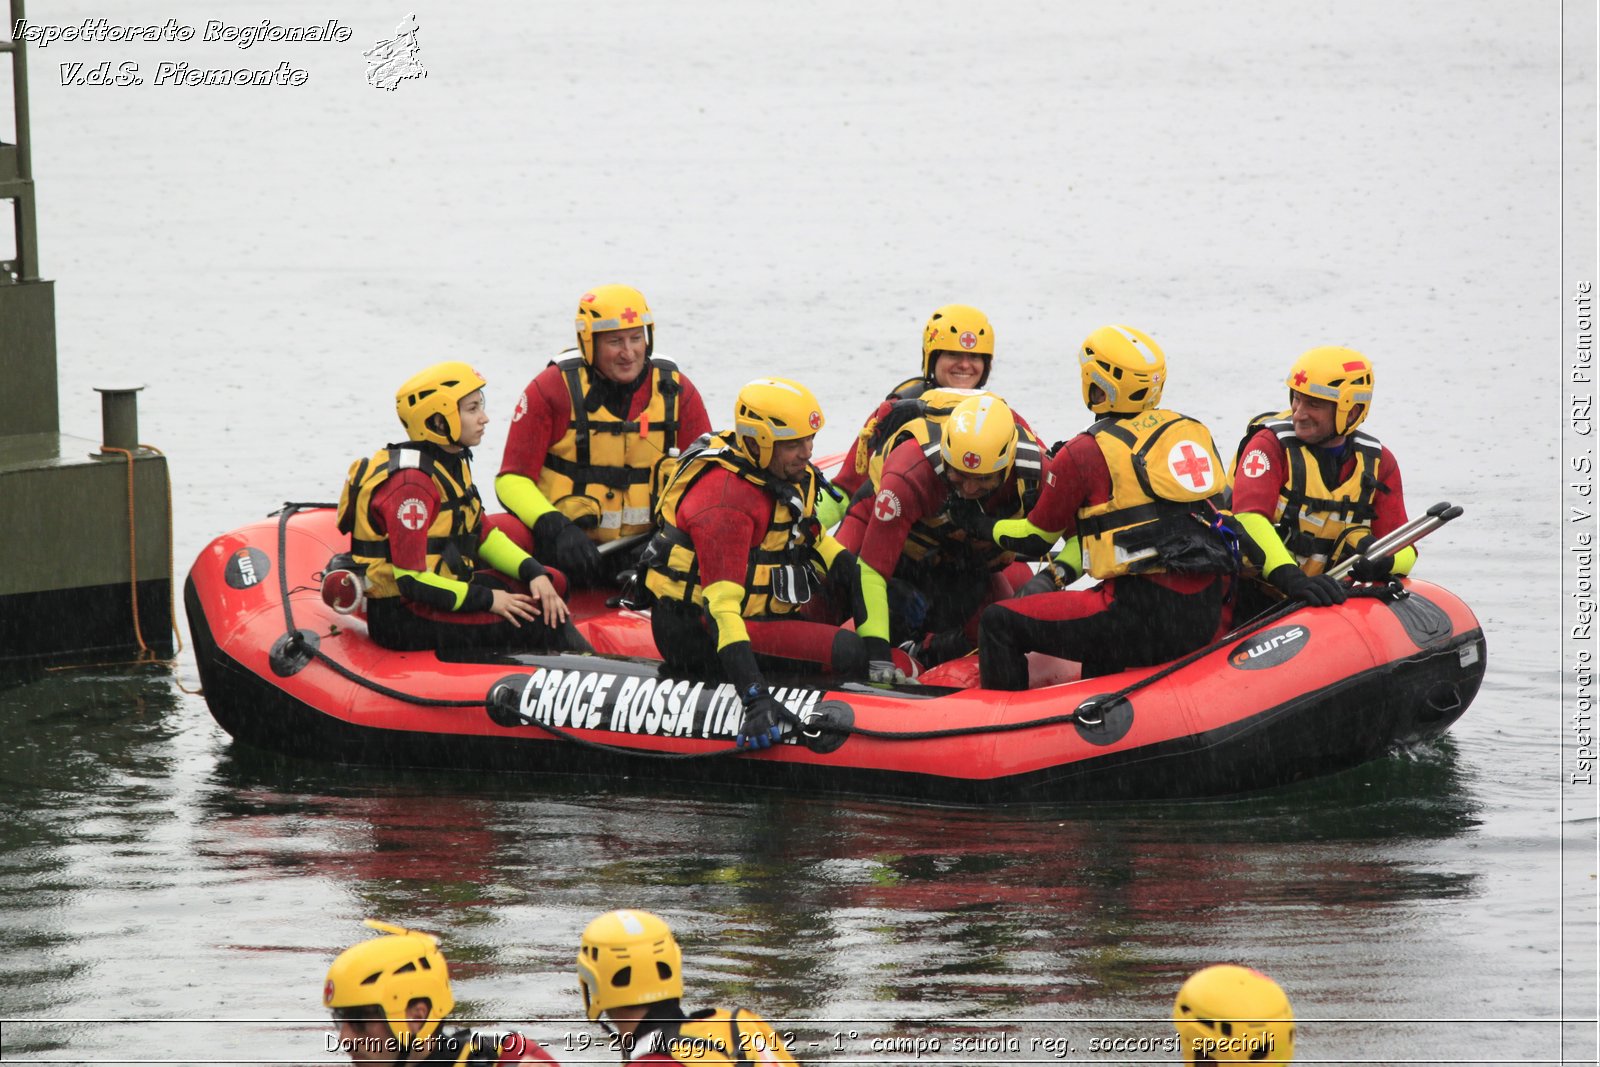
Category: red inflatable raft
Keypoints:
(1310, 693)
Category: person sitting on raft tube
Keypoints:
(593, 437)
(416, 522)
(1231, 1014)
(957, 353)
(740, 551)
(1309, 489)
(1136, 492)
(630, 972)
(927, 563)
(390, 997)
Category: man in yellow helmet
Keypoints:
(740, 552)
(1135, 494)
(1231, 1014)
(436, 566)
(589, 435)
(390, 996)
(630, 972)
(957, 353)
(1310, 489)
(927, 563)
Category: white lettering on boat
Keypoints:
(660, 707)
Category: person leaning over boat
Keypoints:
(740, 550)
(390, 997)
(435, 563)
(1309, 489)
(630, 972)
(927, 563)
(585, 451)
(1136, 493)
(1231, 1014)
(957, 353)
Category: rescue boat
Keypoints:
(1309, 693)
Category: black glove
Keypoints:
(970, 516)
(1319, 590)
(764, 719)
(1051, 578)
(567, 547)
(1373, 569)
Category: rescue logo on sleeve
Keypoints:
(886, 506)
(413, 514)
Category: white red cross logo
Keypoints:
(816, 420)
(968, 340)
(970, 461)
(412, 514)
(522, 408)
(1189, 462)
(1256, 463)
(886, 506)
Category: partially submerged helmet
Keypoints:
(1340, 375)
(627, 958)
(1231, 1014)
(769, 410)
(957, 328)
(438, 390)
(979, 436)
(1127, 365)
(388, 973)
(612, 307)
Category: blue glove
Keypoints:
(764, 720)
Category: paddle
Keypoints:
(608, 547)
(1403, 537)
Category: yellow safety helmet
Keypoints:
(438, 390)
(613, 307)
(980, 436)
(957, 328)
(388, 973)
(1230, 1014)
(1127, 365)
(769, 410)
(1341, 375)
(627, 958)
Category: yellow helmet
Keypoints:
(613, 307)
(627, 958)
(1229, 1014)
(436, 391)
(980, 436)
(770, 410)
(957, 328)
(1127, 365)
(388, 973)
(1341, 375)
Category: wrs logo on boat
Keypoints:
(1269, 648)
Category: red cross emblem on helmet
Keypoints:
(628, 315)
(327, 991)
(968, 340)
(1300, 377)
(970, 460)
(816, 420)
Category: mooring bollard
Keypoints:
(119, 417)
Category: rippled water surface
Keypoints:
(795, 188)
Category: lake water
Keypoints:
(794, 188)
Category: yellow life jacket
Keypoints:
(1166, 483)
(933, 538)
(1313, 517)
(453, 535)
(720, 1037)
(601, 466)
(783, 569)
(877, 425)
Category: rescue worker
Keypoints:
(630, 972)
(957, 353)
(390, 997)
(1231, 1014)
(593, 438)
(1310, 489)
(436, 566)
(1138, 490)
(926, 566)
(740, 551)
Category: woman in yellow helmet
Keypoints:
(436, 567)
